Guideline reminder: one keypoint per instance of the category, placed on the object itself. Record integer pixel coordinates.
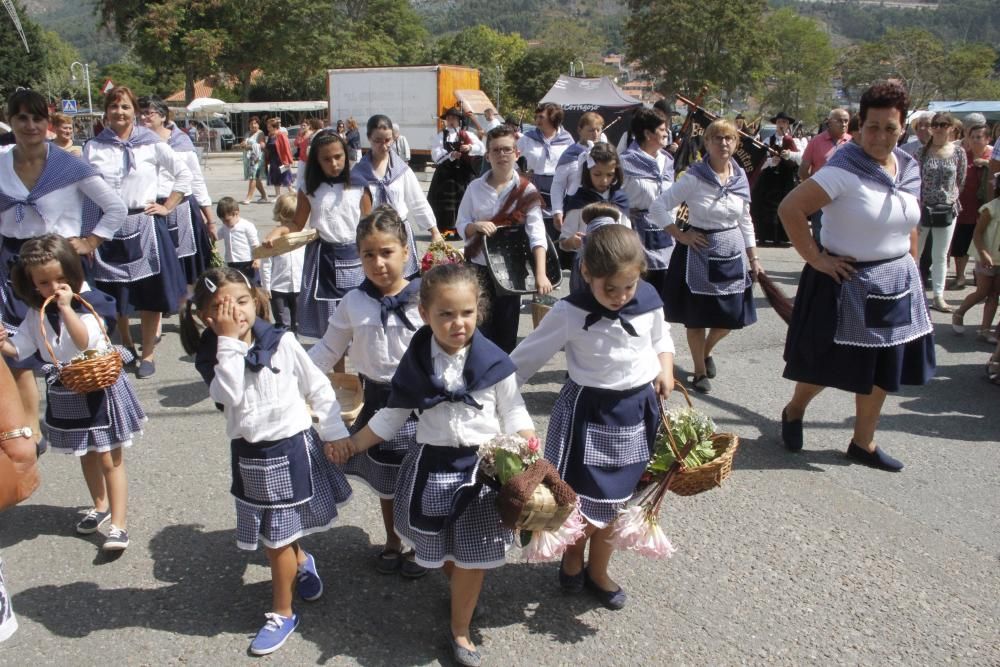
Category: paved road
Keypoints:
(798, 559)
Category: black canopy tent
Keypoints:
(578, 96)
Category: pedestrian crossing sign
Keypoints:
(69, 106)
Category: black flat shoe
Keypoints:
(611, 599)
(710, 366)
(791, 433)
(570, 583)
(877, 459)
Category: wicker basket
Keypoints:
(690, 481)
(97, 370)
(350, 395)
(540, 307)
(508, 260)
(543, 512)
(285, 244)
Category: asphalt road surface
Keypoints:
(798, 559)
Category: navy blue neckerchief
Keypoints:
(266, 338)
(586, 195)
(392, 304)
(572, 154)
(414, 385)
(140, 136)
(646, 299)
(738, 184)
(851, 157)
(363, 174)
(61, 169)
(560, 138)
(179, 141)
(104, 305)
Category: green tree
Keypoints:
(493, 53)
(969, 73)
(913, 56)
(536, 71)
(686, 45)
(45, 68)
(171, 35)
(800, 67)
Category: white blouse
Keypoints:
(283, 273)
(481, 202)
(604, 356)
(450, 424)
(240, 240)
(409, 201)
(28, 338)
(565, 182)
(271, 406)
(138, 188)
(864, 220)
(198, 189)
(642, 192)
(534, 153)
(357, 324)
(61, 210)
(707, 209)
(573, 222)
(440, 154)
(335, 212)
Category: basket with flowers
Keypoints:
(440, 252)
(532, 497)
(690, 457)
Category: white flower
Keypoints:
(637, 529)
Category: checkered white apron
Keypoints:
(882, 305)
(721, 268)
(132, 253)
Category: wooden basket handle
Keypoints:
(678, 454)
(41, 324)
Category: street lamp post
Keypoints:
(499, 81)
(86, 75)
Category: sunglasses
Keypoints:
(938, 126)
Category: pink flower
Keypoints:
(534, 444)
(637, 529)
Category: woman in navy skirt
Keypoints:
(709, 283)
(42, 191)
(860, 323)
(139, 266)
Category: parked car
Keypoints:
(213, 132)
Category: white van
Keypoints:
(213, 133)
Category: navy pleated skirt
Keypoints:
(703, 311)
(812, 356)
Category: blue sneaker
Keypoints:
(308, 584)
(276, 630)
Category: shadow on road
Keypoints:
(183, 395)
(205, 594)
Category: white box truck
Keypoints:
(413, 97)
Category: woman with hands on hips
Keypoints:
(860, 323)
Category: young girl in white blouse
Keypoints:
(389, 180)
(619, 357)
(329, 204)
(97, 426)
(376, 321)
(464, 392)
(284, 487)
(566, 179)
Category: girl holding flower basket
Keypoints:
(619, 356)
(463, 390)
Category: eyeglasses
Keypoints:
(724, 139)
(938, 126)
(149, 112)
(502, 150)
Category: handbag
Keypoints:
(17, 481)
(937, 215)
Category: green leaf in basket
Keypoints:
(525, 538)
(508, 464)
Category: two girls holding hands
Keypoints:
(284, 487)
